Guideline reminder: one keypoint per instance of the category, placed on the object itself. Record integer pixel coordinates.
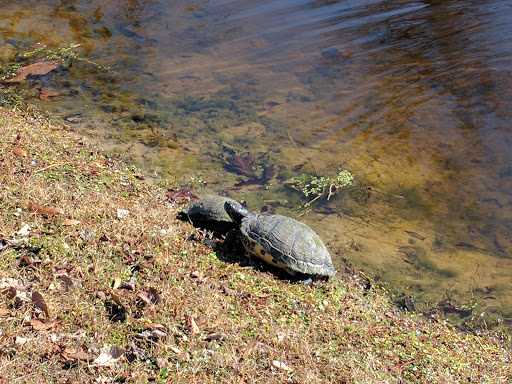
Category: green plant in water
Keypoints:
(320, 186)
(65, 54)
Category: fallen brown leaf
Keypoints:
(192, 326)
(109, 355)
(175, 350)
(250, 347)
(51, 350)
(36, 69)
(24, 230)
(37, 208)
(69, 222)
(155, 295)
(67, 281)
(216, 336)
(30, 260)
(41, 324)
(144, 296)
(158, 326)
(10, 292)
(200, 276)
(19, 152)
(4, 312)
(161, 362)
(39, 302)
(47, 95)
(70, 354)
(117, 283)
(280, 365)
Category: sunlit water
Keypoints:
(415, 98)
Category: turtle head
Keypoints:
(236, 211)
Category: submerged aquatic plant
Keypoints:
(320, 186)
(65, 55)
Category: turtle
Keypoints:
(283, 242)
(209, 213)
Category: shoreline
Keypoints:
(102, 280)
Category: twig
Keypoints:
(312, 201)
(51, 166)
(300, 150)
(385, 193)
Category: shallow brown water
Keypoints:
(415, 98)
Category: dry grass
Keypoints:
(146, 292)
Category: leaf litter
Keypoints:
(137, 302)
(35, 69)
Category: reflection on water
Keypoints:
(414, 97)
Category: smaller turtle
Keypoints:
(209, 213)
(283, 242)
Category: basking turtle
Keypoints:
(282, 242)
(209, 213)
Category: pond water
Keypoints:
(239, 97)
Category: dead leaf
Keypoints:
(30, 260)
(4, 312)
(109, 355)
(155, 295)
(47, 94)
(161, 362)
(41, 324)
(280, 365)
(36, 69)
(51, 350)
(117, 283)
(216, 336)
(192, 326)
(200, 276)
(20, 341)
(175, 350)
(250, 347)
(70, 354)
(24, 230)
(144, 296)
(152, 334)
(151, 297)
(158, 326)
(19, 152)
(67, 281)
(69, 222)
(122, 213)
(242, 165)
(37, 208)
(39, 302)
(116, 299)
(10, 292)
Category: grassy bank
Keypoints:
(100, 283)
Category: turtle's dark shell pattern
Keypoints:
(283, 241)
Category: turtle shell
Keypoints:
(286, 243)
(209, 213)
